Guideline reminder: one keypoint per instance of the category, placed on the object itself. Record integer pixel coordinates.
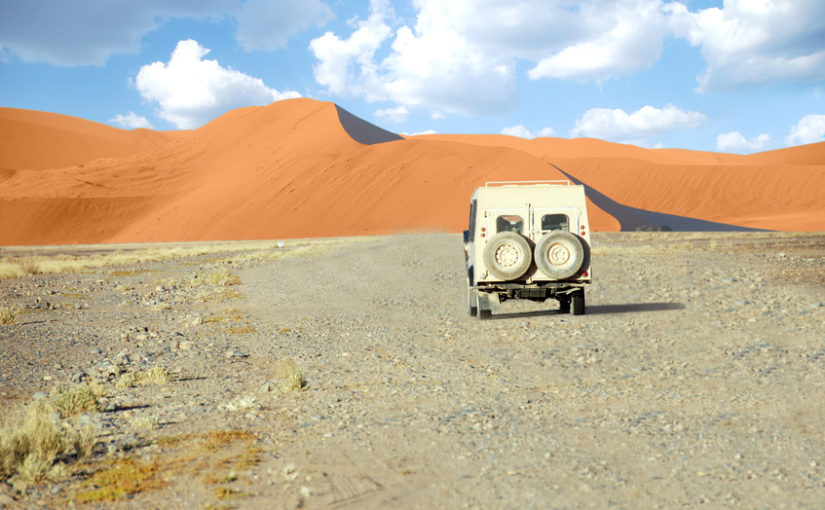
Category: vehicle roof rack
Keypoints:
(562, 182)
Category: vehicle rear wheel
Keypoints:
(564, 305)
(577, 303)
(508, 255)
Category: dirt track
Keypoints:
(695, 377)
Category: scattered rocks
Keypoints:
(690, 378)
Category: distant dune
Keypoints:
(304, 168)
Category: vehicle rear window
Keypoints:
(555, 222)
(509, 223)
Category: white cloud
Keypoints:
(747, 42)
(87, 32)
(618, 125)
(394, 115)
(522, 132)
(191, 91)
(460, 56)
(131, 121)
(735, 141)
(517, 130)
(631, 41)
(345, 66)
(809, 129)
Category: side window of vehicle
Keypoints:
(555, 222)
(509, 223)
(472, 226)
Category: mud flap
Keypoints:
(488, 301)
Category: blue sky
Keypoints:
(735, 76)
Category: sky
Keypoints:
(737, 76)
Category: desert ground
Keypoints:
(346, 373)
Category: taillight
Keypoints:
(584, 274)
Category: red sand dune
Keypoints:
(291, 169)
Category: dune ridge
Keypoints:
(305, 168)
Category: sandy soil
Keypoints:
(694, 378)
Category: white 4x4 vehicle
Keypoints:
(527, 240)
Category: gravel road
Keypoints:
(695, 377)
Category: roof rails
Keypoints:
(563, 182)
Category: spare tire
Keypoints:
(508, 255)
(560, 254)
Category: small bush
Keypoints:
(76, 400)
(7, 315)
(31, 444)
(155, 375)
(291, 375)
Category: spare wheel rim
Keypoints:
(507, 255)
(558, 254)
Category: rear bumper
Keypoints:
(536, 291)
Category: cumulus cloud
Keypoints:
(747, 42)
(190, 90)
(522, 132)
(460, 57)
(346, 66)
(631, 41)
(394, 115)
(809, 129)
(131, 121)
(87, 32)
(618, 125)
(735, 141)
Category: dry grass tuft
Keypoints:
(155, 375)
(31, 444)
(29, 266)
(7, 315)
(219, 277)
(77, 400)
(291, 376)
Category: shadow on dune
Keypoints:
(597, 310)
(362, 131)
(631, 218)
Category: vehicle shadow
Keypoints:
(596, 310)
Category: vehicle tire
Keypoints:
(577, 303)
(472, 300)
(560, 254)
(564, 305)
(508, 255)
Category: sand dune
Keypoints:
(304, 168)
(775, 190)
(39, 140)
